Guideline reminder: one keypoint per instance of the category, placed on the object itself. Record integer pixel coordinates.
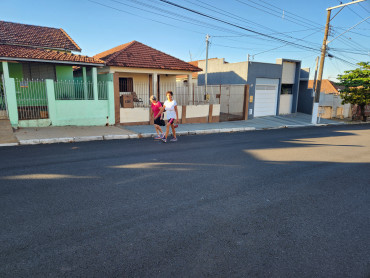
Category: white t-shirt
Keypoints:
(170, 109)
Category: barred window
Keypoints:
(126, 85)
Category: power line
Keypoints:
(228, 14)
(237, 26)
(271, 13)
(299, 17)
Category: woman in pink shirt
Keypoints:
(158, 122)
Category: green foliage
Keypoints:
(357, 85)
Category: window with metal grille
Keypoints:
(126, 85)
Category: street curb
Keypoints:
(148, 135)
(123, 136)
(9, 144)
(115, 137)
(87, 138)
(56, 140)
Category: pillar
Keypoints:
(11, 96)
(95, 83)
(84, 78)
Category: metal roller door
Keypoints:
(266, 95)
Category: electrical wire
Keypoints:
(238, 26)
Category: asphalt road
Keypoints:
(274, 203)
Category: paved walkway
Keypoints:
(47, 135)
(7, 137)
(270, 122)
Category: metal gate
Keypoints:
(232, 102)
(32, 102)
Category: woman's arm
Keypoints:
(177, 114)
(160, 112)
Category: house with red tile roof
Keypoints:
(141, 71)
(29, 56)
(37, 52)
(327, 87)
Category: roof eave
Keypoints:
(51, 61)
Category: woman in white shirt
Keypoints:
(170, 105)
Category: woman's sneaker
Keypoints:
(164, 140)
(173, 140)
(158, 137)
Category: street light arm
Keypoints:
(350, 3)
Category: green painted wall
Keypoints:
(15, 70)
(64, 72)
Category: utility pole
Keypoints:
(322, 60)
(205, 80)
(314, 116)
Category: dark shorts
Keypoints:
(159, 122)
(171, 121)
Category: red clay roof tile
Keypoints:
(326, 86)
(37, 36)
(137, 55)
(24, 52)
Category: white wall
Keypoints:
(134, 115)
(286, 102)
(288, 73)
(220, 66)
(196, 111)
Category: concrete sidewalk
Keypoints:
(47, 135)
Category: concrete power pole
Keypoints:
(314, 116)
(322, 60)
(206, 76)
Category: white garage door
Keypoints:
(266, 94)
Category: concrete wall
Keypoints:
(15, 70)
(305, 99)
(64, 72)
(288, 75)
(187, 114)
(286, 102)
(220, 72)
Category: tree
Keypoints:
(357, 87)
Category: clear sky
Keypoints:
(98, 25)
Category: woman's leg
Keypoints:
(157, 129)
(167, 129)
(173, 131)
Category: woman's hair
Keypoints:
(153, 98)
(169, 92)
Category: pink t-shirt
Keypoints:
(155, 108)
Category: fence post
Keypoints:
(95, 83)
(193, 93)
(84, 79)
(111, 106)
(50, 92)
(246, 102)
(219, 100)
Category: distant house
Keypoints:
(273, 88)
(330, 102)
(141, 71)
(29, 56)
(327, 87)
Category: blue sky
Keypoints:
(98, 25)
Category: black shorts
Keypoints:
(159, 122)
(171, 121)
